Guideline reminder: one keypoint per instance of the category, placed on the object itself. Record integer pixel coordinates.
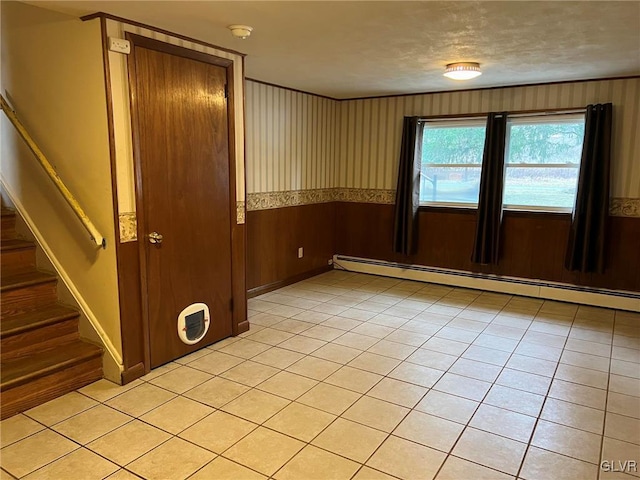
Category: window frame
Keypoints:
(533, 116)
(452, 121)
(531, 119)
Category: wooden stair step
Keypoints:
(14, 281)
(34, 379)
(8, 223)
(11, 244)
(23, 370)
(25, 333)
(17, 255)
(28, 320)
(7, 213)
(25, 289)
(41, 354)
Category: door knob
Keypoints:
(155, 237)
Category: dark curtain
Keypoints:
(586, 246)
(487, 241)
(405, 229)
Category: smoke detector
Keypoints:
(240, 31)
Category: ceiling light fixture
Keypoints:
(240, 31)
(462, 70)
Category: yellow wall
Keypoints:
(52, 74)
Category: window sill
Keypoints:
(508, 210)
(521, 212)
(447, 208)
(472, 206)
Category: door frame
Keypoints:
(237, 231)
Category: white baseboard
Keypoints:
(561, 292)
(61, 272)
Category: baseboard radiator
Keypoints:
(562, 292)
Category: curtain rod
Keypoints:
(547, 112)
(515, 113)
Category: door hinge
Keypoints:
(231, 304)
(226, 91)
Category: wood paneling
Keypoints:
(239, 278)
(127, 255)
(533, 244)
(356, 223)
(269, 287)
(623, 267)
(273, 238)
(133, 338)
(131, 373)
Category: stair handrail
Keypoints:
(95, 235)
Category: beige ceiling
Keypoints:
(347, 49)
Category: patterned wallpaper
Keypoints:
(370, 130)
(290, 139)
(304, 149)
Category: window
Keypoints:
(452, 161)
(542, 161)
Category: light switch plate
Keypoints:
(119, 45)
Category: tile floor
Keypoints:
(350, 376)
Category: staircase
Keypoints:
(41, 354)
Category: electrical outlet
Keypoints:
(330, 262)
(300, 252)
(119, 45)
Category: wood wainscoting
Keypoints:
(133, 336)
(273, 239)
(533, 244)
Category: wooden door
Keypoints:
(181, 143)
